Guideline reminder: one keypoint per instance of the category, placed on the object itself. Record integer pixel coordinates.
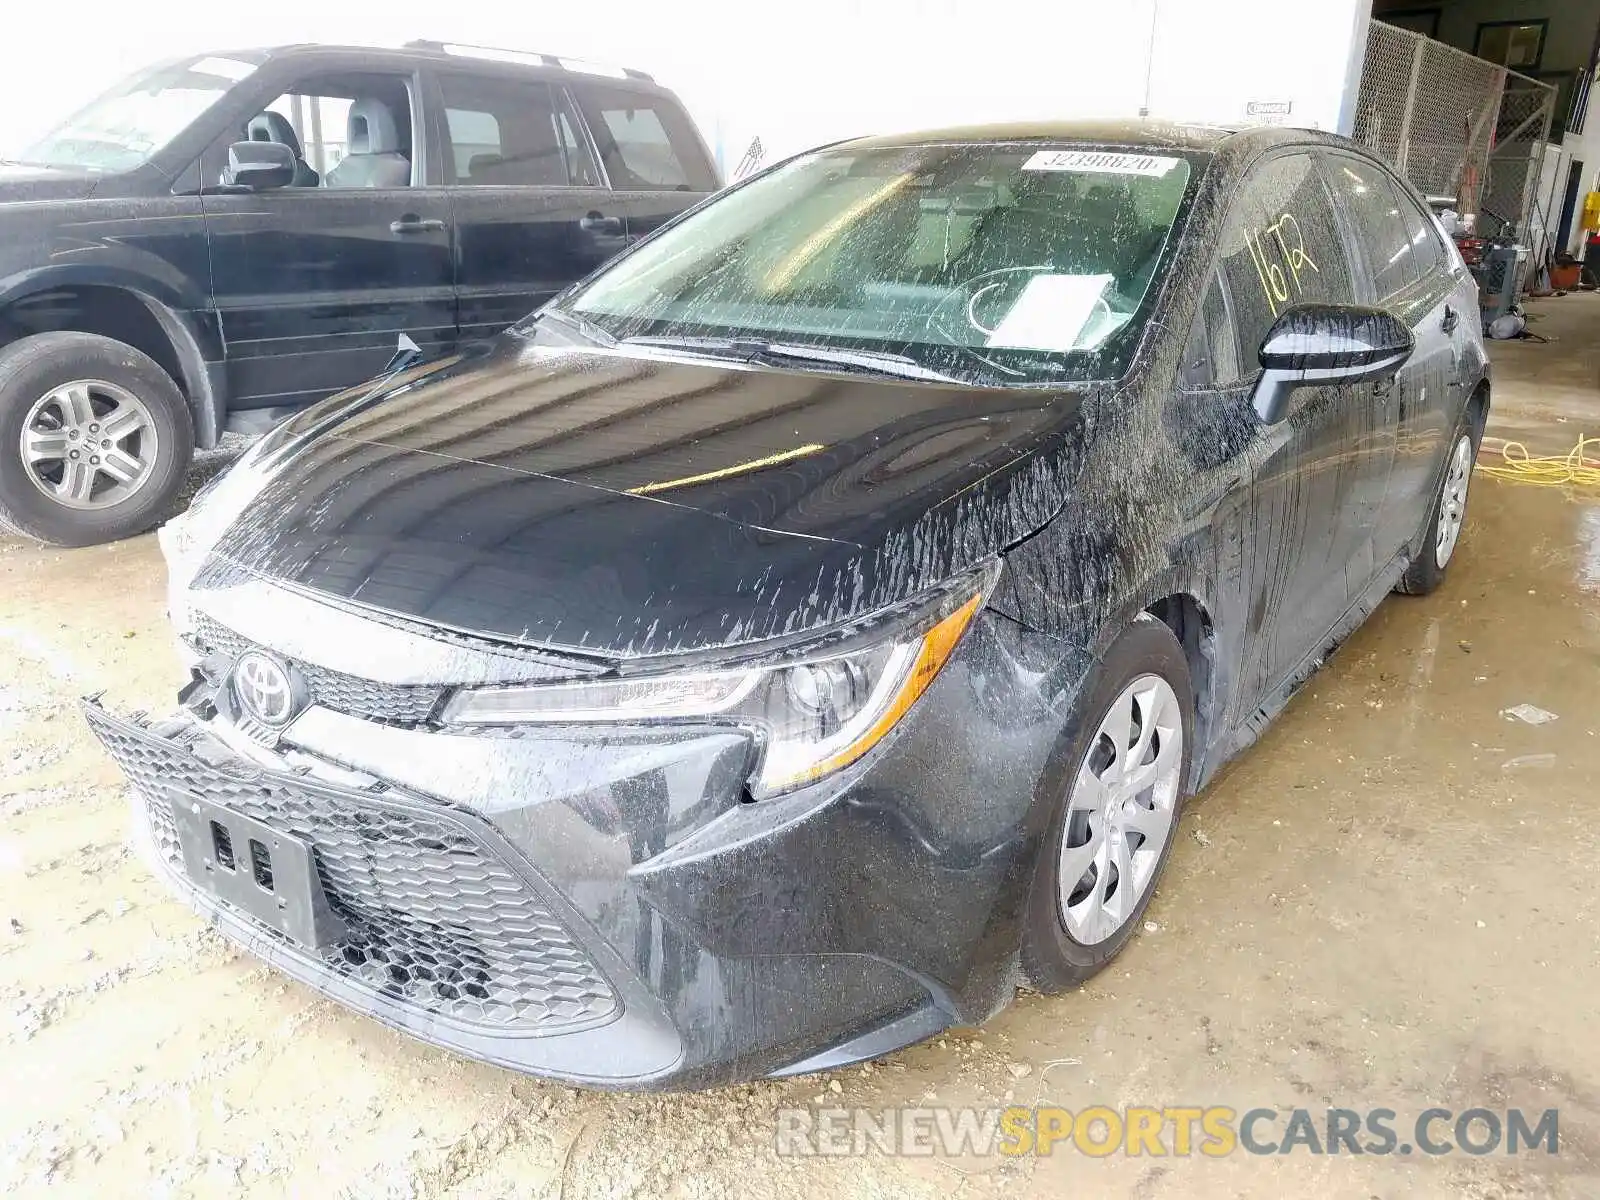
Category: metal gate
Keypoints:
(1453, 124)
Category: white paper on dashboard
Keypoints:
(1050, 313)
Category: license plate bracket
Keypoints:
(260, 871)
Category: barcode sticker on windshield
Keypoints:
(1103, 161)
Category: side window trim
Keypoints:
(569, 101)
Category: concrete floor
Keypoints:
(1390, 901)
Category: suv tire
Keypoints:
(108, 439)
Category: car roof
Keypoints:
(460, 54)
(1141, 132)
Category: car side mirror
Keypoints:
(259, 165)
(1314, 344)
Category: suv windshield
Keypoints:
(128, 124)
(997, 264)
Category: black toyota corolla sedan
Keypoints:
(787, 640)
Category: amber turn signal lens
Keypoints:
(937, 645)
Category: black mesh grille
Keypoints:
(394, 703)
(434, 919)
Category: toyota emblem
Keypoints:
(265, 689)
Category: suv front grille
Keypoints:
(434, 918)
(391, 703)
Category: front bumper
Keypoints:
(615, 914)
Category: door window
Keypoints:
(1280, 247)
(317, 118)
(510, 132)
(645, 142)
(1369, 197)
(1433, 257)
(1212, 357)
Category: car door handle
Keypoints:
(599, 223)
(411, 223)
(1451, 319)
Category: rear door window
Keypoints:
(1378, 219)
(510, 132)
(1281, 246)
(645, 141)
(1428, 249)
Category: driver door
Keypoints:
(1305, 537)
(313, 285)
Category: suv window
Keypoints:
(1368, 195)
(314, 119)
(505, 131)
(1281, 246)
(644, 141)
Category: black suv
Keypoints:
(222, 240)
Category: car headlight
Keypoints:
(814, 710)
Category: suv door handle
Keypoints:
(411, 223)
(598, 223)
(1451, 319)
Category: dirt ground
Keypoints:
(1389, 901)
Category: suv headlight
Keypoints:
(814, 710)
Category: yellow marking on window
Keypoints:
(784, 273)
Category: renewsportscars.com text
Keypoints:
(1213, 1131)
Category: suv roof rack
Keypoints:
(533, 57)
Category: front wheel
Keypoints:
(1120, 789)
(1447, 515)
(95, 439)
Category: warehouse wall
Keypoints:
(1567, 43)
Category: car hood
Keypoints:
(21, 182)
(628, 506)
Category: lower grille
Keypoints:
(393, 703)
(434, 919)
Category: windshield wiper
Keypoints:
(580, 325)
(875, 362)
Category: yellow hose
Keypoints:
(1579, 467)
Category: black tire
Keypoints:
(1425, 572)
(33, 366)
(1052, 959)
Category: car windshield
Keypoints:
(139, 116)
(994, 263)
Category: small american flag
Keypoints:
(751, 160)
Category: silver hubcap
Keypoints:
(1453, 500)
(1120, 813)
(89, 444)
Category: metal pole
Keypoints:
(1403, 150)
(316, 135)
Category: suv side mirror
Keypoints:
(259, 165)
(1313, 344)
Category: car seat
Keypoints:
(373, 157)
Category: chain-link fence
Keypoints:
(1453, 124)
(1522, 130)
